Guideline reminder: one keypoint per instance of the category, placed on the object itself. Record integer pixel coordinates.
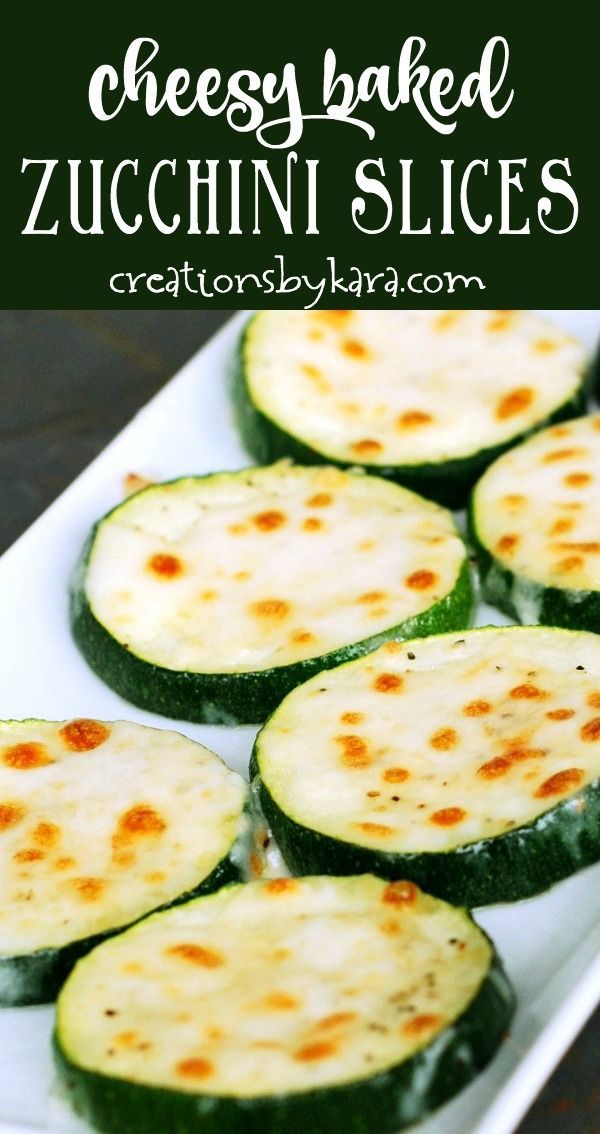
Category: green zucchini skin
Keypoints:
(36, 978)
(446, 482)
(519, 597)
(518, 864)
(387, 1101)
(233, 698)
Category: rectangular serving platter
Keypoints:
(550, 944)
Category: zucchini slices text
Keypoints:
(99, 824)
(264, 1005)
(208, 598)
(470, 764)
(535, 519)
(427, 398)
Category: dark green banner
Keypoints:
(287, 158)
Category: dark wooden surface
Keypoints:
(68, 382)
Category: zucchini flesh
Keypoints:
(266, 1001)
(200, 598)
(101, 823)
(535, 523)
(489, 792)
(405, 393)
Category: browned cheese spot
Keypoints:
(241, 576)
(514, 500)
(421, 580)
(335, 1020)
(319, 500)
(378, 830)
(477, 708)
(133, 483)
(140, 821)
(29, 856)
(280, 1001)
(317, 377)
(208, 596)
(412, 419)
(194, 1068)
(577, 479)
(370, 597)
(396, 775)
(46, 834)
(334, 318)
(312, 524)
(588, 547)
(88, 889)
(310, 370)
(560, 783)
(388, 683)
(400, 894)
(593, 700)
(165, 566)
(561, 714)
(494, 768)
(562, 526)
(354, 751)
(560, 455)
(64, 863)
(446, 320)
(272, 608)
(514, 402)
(355, 349)
(444, 739)
(269, 521)
(507, 543)
(197, 955)
(569, 563)
(82, 734)
(313, 1052)
(545, 346)
(366, 446)
(591, 730)
(302, 637)
(10, 815)
(352, 718)
(281, 886)
(527, 692)
(26, 756)
(448, 816)
(421, 1025)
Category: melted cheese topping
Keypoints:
(407, 387)
(244, 571)
(275, 986)
(101, 823)
(435, 743)
(536, 509)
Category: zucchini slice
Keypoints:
(101, 823)
(468, 764)
(535, 523)
(209, 598)
(292, 1004)
(425, 398)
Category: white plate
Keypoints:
(550, 944)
